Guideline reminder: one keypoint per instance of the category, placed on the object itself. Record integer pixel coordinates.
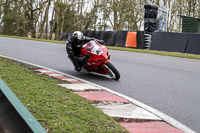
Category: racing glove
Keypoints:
(85, 58)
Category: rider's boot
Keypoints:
(78, 69)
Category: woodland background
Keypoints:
(48, 18)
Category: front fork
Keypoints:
(105, 67)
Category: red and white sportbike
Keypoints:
(99, 60)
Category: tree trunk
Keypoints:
(189, 7)
(194, 7)
(16, 19)
(31, 19)
(24, 27)
(199, 11)
(180, 12)
(45, 19)
(0, 8)
(32, 26)
(115, 16)
(63, 21)
(157, 2)
(52, 25)
(58, 24)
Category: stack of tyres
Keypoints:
(151, 11)
(150, 15)
(150, 23)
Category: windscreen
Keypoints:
(94, 48)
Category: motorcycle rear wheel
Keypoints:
(112, 71)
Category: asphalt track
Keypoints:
(169, 84)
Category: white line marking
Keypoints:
(44, 71)
(70, 80)
(54, 75)
(80, 87)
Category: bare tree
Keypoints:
(52, 24)
(44, 19)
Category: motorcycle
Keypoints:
(99, 60)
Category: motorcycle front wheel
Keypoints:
(112, 71)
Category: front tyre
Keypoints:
(112, 71)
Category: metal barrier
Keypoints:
(176, 42)
(115, 38)
(14, 117)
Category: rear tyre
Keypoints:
(112, 71)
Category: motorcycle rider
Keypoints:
(73, 48)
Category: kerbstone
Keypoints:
(121, 110)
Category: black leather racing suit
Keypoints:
(74, 52)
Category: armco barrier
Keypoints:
(158, 41)
(98, 34)
(120, 39)
(176, 42)
(114, 38)
(140, 40)
(14, 117)
(65, 36)
(89, 33)
(193, 44)
(105, 35)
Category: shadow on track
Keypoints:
(90, 76)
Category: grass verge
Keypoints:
(33, 39)
(57, 109)
(164, 53)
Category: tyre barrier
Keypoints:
(14, 117)
(147, 39)
(150, 21)
(176, 42)
(150, 25)
(150, 11)
(114, 38)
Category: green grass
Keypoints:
(57, 109)
(174, 54)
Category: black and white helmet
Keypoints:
(78, 38)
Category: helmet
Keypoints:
(78, 38)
